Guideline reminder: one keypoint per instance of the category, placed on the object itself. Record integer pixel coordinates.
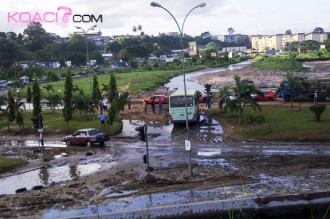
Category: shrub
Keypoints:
(318, 109)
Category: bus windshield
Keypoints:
(179, 101)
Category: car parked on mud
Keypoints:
(264, 96)
(89, 137)
(157, 98)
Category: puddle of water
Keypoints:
(163, 131)
(46, 144)
(124, 193)
(168, 200)
(215, 161)
(33, 143)
(45, 176)
(272, 152)
(209, 153)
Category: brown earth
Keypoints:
(82, 191)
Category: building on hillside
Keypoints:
(233, 38)
(234, 49)
(279, 41)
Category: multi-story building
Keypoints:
(279, 41)
(233, 38)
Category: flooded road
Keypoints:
(227, 176)
(191, 83)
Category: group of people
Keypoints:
(103, 105)
(207, 99)
(153, 107)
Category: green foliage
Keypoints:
(28, 94)
(68, 90)
(96, 93)
(54, 99)
(81, 102)
(113, 92)
(11, 114)
(36, 97)
(278, 63)
(7, 164)
(35, 37)
(242, 91)
(318, 109)
(52, 76)
(282, 124)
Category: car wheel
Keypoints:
(89, 144)
(68, 142)
(102, 144)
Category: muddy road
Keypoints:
(229, 174)
(80, 181)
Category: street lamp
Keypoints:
(155, 4)
(86, 33)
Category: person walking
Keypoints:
(101, 117)
(101, 106)
(129, 101)
(105, 104)
(144, 105)
(153, 105)
(160, 104)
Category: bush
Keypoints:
(318, 109)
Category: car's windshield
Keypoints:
(93, 132)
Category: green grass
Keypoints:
(132, 81)
(7, 164)
(55, 124)
(283, 123)
(278, 63)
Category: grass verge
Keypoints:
(281, 123)
(54, 124)
(7, 164)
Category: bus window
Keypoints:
(179, 101)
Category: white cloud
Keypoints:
(246, 17)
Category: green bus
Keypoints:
(177, 109)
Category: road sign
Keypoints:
(187, 145)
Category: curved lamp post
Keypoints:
(155, 4)
(85, 33)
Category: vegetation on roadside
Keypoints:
(54, 123)
(278, 63)
(280, 123)
(7, 164)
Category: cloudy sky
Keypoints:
(119, 16)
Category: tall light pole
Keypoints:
(87, 57)
(155, 4)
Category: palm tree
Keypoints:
(243, 90)
(292, 85)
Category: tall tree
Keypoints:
(68, 90)
(11, 114)
(230, 30)
(96, 93)
(8, 53)
(288, 32)
(36, 97)
(35, 37)
(19, 114)
(112, 88)
(318, 30)
(28, 94)
(117, 100)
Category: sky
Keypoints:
(250, 17)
